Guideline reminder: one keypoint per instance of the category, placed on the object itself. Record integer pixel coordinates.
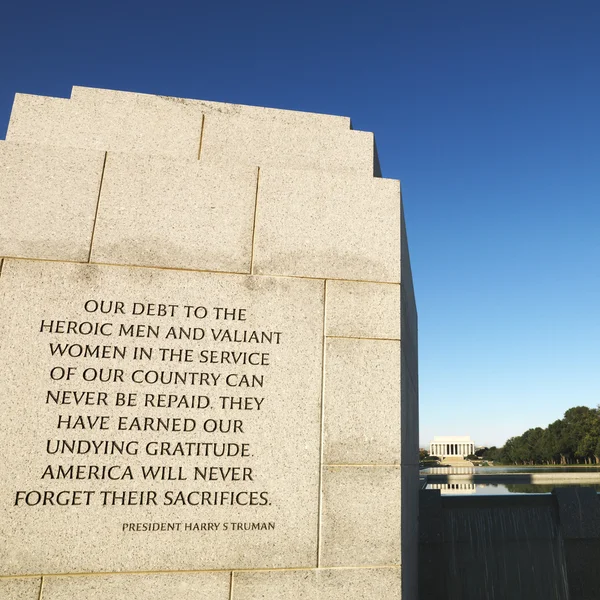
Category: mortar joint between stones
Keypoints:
(97, 208)
(254, 221)
(201, 135)
(231, 585)
(322, 437)
(41, 588)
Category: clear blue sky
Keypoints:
(487, 111)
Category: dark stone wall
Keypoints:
(525, 547)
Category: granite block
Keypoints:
(360, 516)
(157, 211)
(324, 584)
(366, 310)
(171, 129)
(172, 417)
(48, 199)
(38, 120)
(20, 588)
(270, 144)
(361, 406)
(164, 586)
(120, 101)
(314, 224)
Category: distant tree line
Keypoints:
(574, 439)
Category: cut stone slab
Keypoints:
(38, 119)
(313, 224)
(360, 516)
(229, 476)
(48, 199)
(364, 310)
(171, 130)
(324, 584)
(157, 211)
(20, 588)
(164, 586)
(118, 121)
(119, 101)
(362, 392)
(270, 144)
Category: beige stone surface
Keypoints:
(316, 224)
(360, 516)
(48, 199)
(120, 101)
(366, 310)
(157, 211)
(322, 584)
(165, 586)
(38, 119)
(361, 406)
(271, 144)
(20, 588)
(170, 129)
(264, 414)
(143, 123)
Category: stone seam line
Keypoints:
(194, 572)
(106, 264)
(311, 569)
(358, 337)
(363, 465)
(201, 136)
(254, 222)
(349, 337)
(322, 427)
(97, 207)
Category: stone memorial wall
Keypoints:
(208, 354)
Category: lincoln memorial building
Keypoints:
(452, 445)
